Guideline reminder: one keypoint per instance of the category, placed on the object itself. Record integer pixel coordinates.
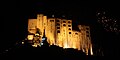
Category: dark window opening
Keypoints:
(69, 25)
(69, 22)
(58, 21)
(64, 21)
(64, 25)
(76, 33)
(58, 31)
(87, 35)
(58, 27)
(69, 28)
(87, 32)
(58, 24)
(51, 20)
(87, 28)
(69, 32)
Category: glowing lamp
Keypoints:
(30, 37)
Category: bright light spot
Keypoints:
(66, 46)
(41, 43)
(34, 45)
(37, 34)
(22, 42)
(30, 37)
(43, 39)
(91, 51)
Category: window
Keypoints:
(69, 32)
(58, 31)
(69, 25)
(64, 21)
(51, 20)
(58, 21)
(87, 35)
(76, 33)
(58, 24)
(30, 29)
(69, 22)
(69, 28)
(87, 28)
(87, 32)
(64, 25)
(58, 27)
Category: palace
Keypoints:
(59, 32)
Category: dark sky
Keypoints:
(16, 13)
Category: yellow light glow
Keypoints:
(37, 34)
(22, 42)
(91, 50)
(59, 32)
(34, 45)
(65, 46)
(30, 37)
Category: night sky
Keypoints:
(15, 16)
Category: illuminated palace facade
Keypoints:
(59, 32)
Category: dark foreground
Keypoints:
(52, 52)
